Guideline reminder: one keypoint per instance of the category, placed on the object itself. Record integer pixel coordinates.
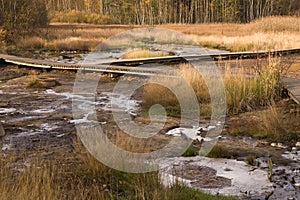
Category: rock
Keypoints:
(49, 82)
(298, 144)
(280, 145)
(296, 180)
(177, 132)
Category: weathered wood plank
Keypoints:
(293, 87)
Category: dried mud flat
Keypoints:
(38, 123)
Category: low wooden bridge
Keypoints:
(149, 67)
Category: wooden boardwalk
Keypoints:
(149, 67)
(293, 87)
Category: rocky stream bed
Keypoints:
(39, 121)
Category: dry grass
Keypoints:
(254, 42)
(159, 94)
(80, 176)
(144, 54)
(78, 37)
(247, 93)
(243, 92)
(263, 34)
(32, 43)
(275, 24)
(272, 123)
(74, 43)
(277, 122)
(280, 123)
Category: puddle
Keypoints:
(120, 103)
(107, 101)
(219, 176)
(195, 133)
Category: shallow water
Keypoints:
(245, 181)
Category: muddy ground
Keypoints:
(37, 122)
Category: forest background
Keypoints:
(23, 17)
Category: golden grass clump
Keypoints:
(281, 122)
(158, 94)
(262, 34)
(243, 92)
(74, 43)
(253, 42)
(272, 123)
(247, 93)
(28, 183)
(275, 24)
(144, 53)
(30, 43)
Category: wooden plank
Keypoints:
(293, 87)
(171, 59)
(124, 66)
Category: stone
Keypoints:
(273, 144)
(298, 144)
(280, 145)
(297, 185)
(49, 82)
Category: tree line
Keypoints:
(178, 11)
(19, 17)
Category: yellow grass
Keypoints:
(32, 43)
(263, 34)
(144, 54)
(254, 42)
(74, 43)
(242, 93)
(158, 94)
(80, 176)
(59, 36)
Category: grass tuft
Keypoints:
(145, 53)
(243, 93)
